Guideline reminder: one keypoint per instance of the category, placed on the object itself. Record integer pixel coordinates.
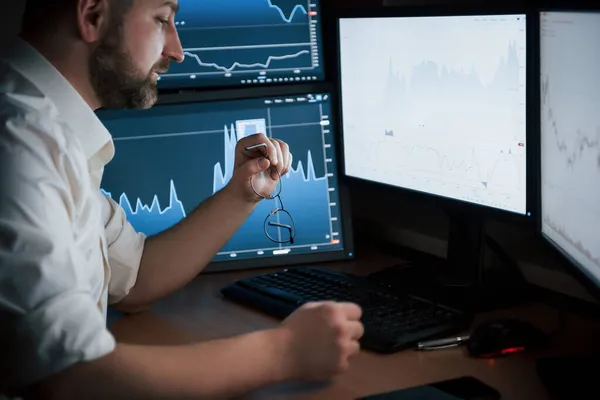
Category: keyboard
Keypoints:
(392, 321)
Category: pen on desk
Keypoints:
(442, 343)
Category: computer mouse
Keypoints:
(503, 337)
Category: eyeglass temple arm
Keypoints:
(288, 227)
(261, 148)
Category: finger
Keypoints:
(353, 348)
(254, 166)
(352, 311)
(278, 152)
(259, 138)
(356, 330)
(277, 170)
(311, 304)
(272, 151)
(285, 155)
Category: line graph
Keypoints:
(458, 165)
(580, 143)
(246, 42)
(302, 184)
(152, 219)
(570, 135)
(444, 111)
(194, 165)
(569, 244)
(236, 64)
(297, 8)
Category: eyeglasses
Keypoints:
(279, 225)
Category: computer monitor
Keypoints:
(434, 102)
(570, 139)
(246, 42)
(171, 158)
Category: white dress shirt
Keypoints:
(66, 250)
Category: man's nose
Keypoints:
(173, 49)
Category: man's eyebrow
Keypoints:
(174, 6)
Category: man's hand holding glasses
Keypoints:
(260, 164)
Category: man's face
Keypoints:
(139, 44)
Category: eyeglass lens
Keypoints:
(279, 227)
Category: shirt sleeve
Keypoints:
(49, 318)
(125, 248)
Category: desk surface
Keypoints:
(199, 313)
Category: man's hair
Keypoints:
(41, 14)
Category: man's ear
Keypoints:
(92, 16)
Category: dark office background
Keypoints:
(400, 220)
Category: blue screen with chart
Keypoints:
(246, 42)
(171, 158)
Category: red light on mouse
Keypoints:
(503, 352)
(512, 350)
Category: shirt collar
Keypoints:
(80, 117)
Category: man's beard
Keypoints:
(116, 80)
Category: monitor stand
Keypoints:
(459, 279)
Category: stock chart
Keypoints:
(438, 106)
(246, 42)
(570, 99)
(171, 158)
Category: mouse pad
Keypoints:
(416, 393)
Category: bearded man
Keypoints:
(67, 252)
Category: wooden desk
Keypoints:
(199, 313)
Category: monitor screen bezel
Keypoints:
(347, 252)
(529, 218)
(179, 89)
(574, 268)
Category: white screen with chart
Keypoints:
(570, 122)
(438, 105)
